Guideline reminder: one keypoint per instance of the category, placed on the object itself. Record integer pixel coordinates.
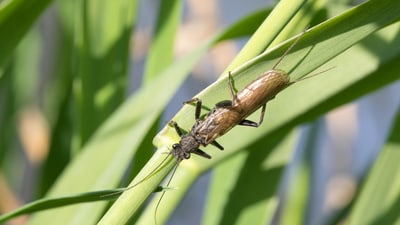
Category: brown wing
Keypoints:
(217, 124)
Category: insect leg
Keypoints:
(252, 123)
(201, 153)
(216, 144)
(177, 128)
(232, 90)
(198, 107)
(262, 114)
(228, 103)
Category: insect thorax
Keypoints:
(187, 145)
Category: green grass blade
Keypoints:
(159, 58)
(59, 106)
(294, 205)
(44, 204)
(16, 17)
(106, 156)
(161, 53)
(314, 49)
(379, 199)
(17, 102)
(245, 26)
(121, 213)
(244, 180)
(113, 145)
(7, 114)
(256, 214)
(368, 84)
(103, 31)
(268, 31)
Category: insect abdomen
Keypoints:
(261, 90)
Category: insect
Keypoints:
(227, 114)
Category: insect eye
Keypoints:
(175, 146)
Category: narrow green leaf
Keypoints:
(17, 92)
(159, 58)
(58, 100)
(121, 135)
(7, 119)
(121, 213)
(268, 31)
(114, 145)
(161, 53)
(16, 17)
(379, 200)
(102, 40)
(44, 204)
(297, 188)
(313, 50)
(318, 95)
(254, 211)
(245, 26)
(239, 197)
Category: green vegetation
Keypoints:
(97, 133)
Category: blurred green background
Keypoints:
(85, 86)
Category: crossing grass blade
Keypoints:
(338, 86)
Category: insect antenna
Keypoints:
(121, 190)
(163, 193)
(312, 75)
(289, 49)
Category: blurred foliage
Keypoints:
(81, 133)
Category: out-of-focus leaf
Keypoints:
(102, 40)
(16, 17)
(379, 200)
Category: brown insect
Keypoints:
(229, 113)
